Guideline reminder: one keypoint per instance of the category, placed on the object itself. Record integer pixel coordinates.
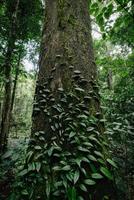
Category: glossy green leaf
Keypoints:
(72, 134)
(97, 176)
(83, 187)
(66, 168)
(89, 182)
(106, 172)
(76, 176)
(111, 162)
(92, 158)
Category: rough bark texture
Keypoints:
(66, 42)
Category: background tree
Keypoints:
(18, 15)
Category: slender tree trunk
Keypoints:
(12, 123)
(1, 98)
(15, 82)
(7, 98)
(5, 122)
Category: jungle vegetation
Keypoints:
(66, 100)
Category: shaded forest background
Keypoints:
(113, 38)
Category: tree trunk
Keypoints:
(66, 42)
(67, 130)
(7, 99)
(15, 81)
(5, 122)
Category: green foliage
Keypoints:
(27, 12)
(115, 19)
(21, 115)
(10, 163)
(102, 11)
(118, 106)
(54, 167)
(69, 159)
(27, 28)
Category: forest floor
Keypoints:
(8, 165)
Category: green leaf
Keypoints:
(23, 172)
(76, 176)
(82, 117)
(64, 181)
(66, 168)
(92, 158)
(56, 155)
(71, 193)
(72, 134)
(106, 172)
(98, 153)
(47, 189)
(84, 171)
(29, 155)
(101, 161)
(88, 144)
(90, 129)
(56, 168)
(83, 149)
(93, 138)
(70, 176)
(111, 162)
(80, 198)
(41, 138)
(73, 196)
(50, 151)
(83, 124)
(37, 147)
(31, 166)
(58, 184)
(82, 187)
(78, 161)
(97, 176)
(24, 192)
(37, 133)
(89, 182)
(36, 109)
(79, 90)
(37, 166)
(85, 159)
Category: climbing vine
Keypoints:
(68, 160)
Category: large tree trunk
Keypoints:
(5, 122)
(66, 140)
(66, 42)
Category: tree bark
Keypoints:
(66, 42)
(15, 81)
(66, 55)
